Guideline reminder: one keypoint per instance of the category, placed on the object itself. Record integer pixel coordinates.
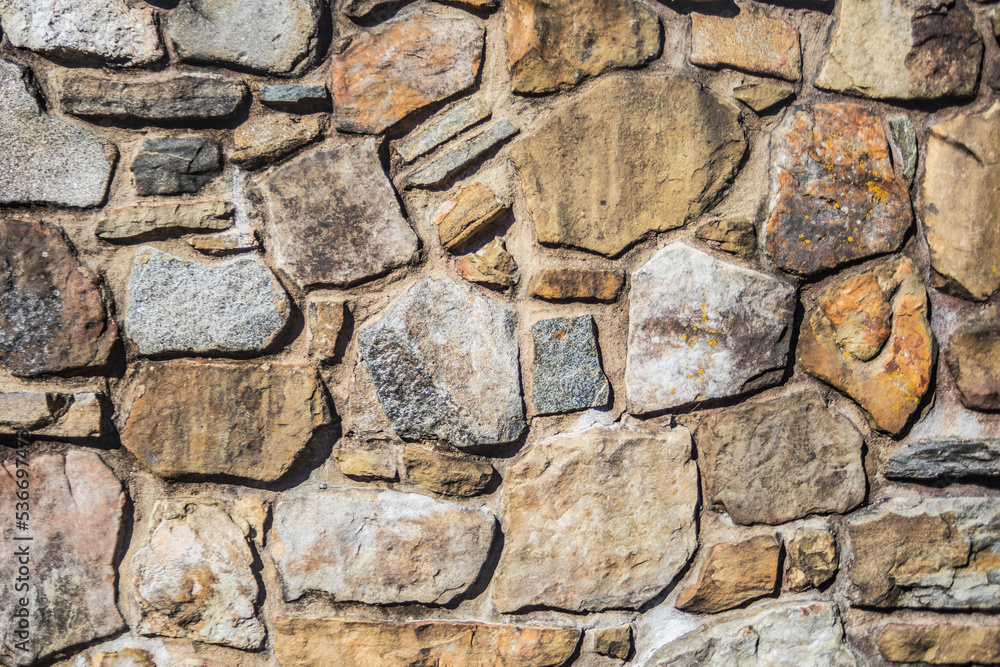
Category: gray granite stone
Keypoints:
(47, 160)
(904, 136)
(441, 128)
(439, 168)
(178, 305)
(945, 459)
(175, 165)
(434, 357)
(294, 97)
(567, 369)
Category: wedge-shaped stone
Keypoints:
(491, 265)
(937, 553)
(441, 128)
(267, 139)
(346, 232)
(550, 48)
(798, 633)
(194, 575)
(781, 460)
(243, 420)
(960, 198)
(763, 95)
(700, 328)
(464, 152)
(47, 160)
(751, 41)
(835, 195)
(435, 353)
(737, 237)
(570, 544)
(940, 643)
(348, 641)
(632, 155)
(178, 305)
(136, 223)
(466, 213)
(425, 54)
(894, 49)
(112, 32)
(945, 459)
(378, 547)
(52, 316)
(75, 525)
(732, 574)
(869, 337)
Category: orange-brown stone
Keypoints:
(566, 284)
(733, 573)
(751, 41)
(941, 643)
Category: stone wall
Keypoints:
(499, 332)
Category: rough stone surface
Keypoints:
(52, 414)
(174, 165)
(466, 213)
(425, 54)
(450, 473)
(614, 642)
(835, 196)
(700, 328)
(869, 337)
(47, 160)
(346, 232)
(491, 265)
(299, 98)
(75, 525)
(959, 203)
(751, 41)
(568, 284)
(378, 547)
(325, 316)
(567, 366)
(194, 574)
(280, 406)
(625, 547)
(781, 460)
(737, 237)
(112, 32)
(435, 353)
(442, 127)
(732, 574)
(347, 641)
(595, 171)
(940, 643)
(972, 356)
(52, 316)
(904, 136)
(233, 242)
(137, 223)
(268, 139)
(129, 657)
(265, 36)
(367, 462)
(762, 96)
(798, 633)
(936, 553)
(549, 48)
(893, 49)
(188, 307)
(462, 153)
(813, 558)
(165, 98)
(945, 459)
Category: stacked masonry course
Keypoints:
(502, 332)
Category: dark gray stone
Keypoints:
(941, 459)
(172, 165)
(293, 97)
(444, 361)
(567, 370)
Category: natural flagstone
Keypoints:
(325, 316)
(813, 558)
(443, 471)
(869, 337)
(700, 328)
(265, 36)
(934, 553)
(950, 643)
(349, 641)
(435, 353)
(175, 165)
(751, 41)
(733, 236)
(52, 316)
(491, 265)
(52, 414)
(594, 170)
(280, 406)
(373, 460)
(75, 524)
(268, 139)
(625, 547)
(945, 459)
(899, 50)
(567, 369)
(194, 575)
(614, 642)
(835, 195)
(137, 223)
(972, 355)
(762, 95)
(466, 213)
(178, 305)
(732, 574)
(549, 48)
(294, 97)
(904, 136)
(47, 160)
(442, 127)
(128, 657)
(781, 460)
(959, 202)
(346, 232)
(425, 54)
(456, 157)
(378, 547)
(233, 242)
(569, 284)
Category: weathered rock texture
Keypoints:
(137, 223)
(566, 284)
(732, 574)
(442, 127)
(945, 459)
(567, 367)
(813, 558)
(941, 643)
(270, 138)
(491, 265)
(633, 154)
(972, 353)
(52, 414)
(175, 165)
(447, 472)
(625, 547)
(450, 161)
(751, 41)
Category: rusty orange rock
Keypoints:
(566, 284)
(834, 342)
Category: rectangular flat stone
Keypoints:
(466, 213)
(51, 414)
(441, 128)
(135, 223)
(452, 160)
(292, 97)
